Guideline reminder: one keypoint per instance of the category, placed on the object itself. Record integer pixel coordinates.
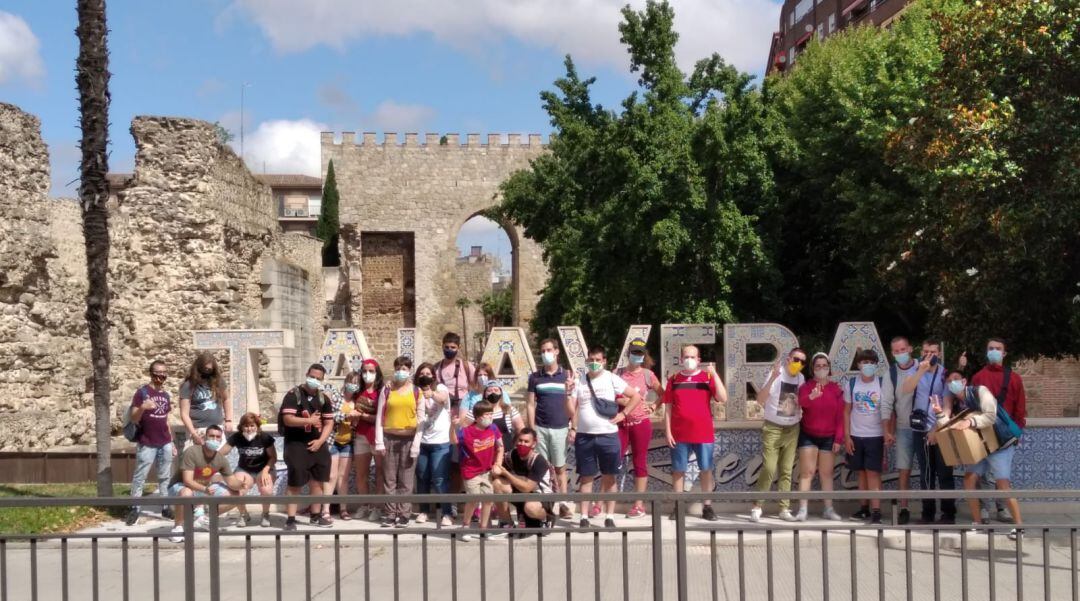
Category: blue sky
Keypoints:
(356, 65)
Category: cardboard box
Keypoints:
(965, 447)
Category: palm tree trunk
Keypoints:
(464, 335)
(92, 77)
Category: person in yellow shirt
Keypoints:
(397, 438)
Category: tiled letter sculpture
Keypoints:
(850, 337)
(510, 343)
(342, 351)
(739, 372)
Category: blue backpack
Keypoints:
(1007, 431)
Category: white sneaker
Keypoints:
(421, 518)
(786, 516)
(201, 523)
(177, 533)
(831, 515)
(755, 514)
(801, 516)
(984, 515)
(374, 515)
(1005, 516)
(1015, 534)
(446, 522)
(465, 537)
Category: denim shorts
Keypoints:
(823, 443)
(217, 489)
(680, 455)
(998, 463)
(340, 450)
(905, 448)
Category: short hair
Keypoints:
(248, 419)
(867, 354)
(554, 343)
(896, 339)
(403, 361)
(686, 346)
(526, 431)
(156, 362)
(451, 338)
(797, 349)
(598, 350)
(481, 408)
(933, 341)
(1001, 341)
(955, 372)
(319, 367)
(215, 427)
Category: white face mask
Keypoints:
(484, 422)
(690, 364)
(369, 377)
(547, 357)
(821, 374)
(250, 436)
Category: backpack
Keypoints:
(132, 431)
(280, 416)
(1007, 430)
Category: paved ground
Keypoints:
(574, 564)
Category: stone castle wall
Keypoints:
(426, 191)
(191, 234)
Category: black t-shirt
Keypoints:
(306, 406)
(253, 454)
(539, 471)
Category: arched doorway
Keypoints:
(485, 273)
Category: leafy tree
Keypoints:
(329, 225)
(996, 146)
(223, 135)
(638, 211)
(497, 308)
(464, 303)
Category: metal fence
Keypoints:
(667, 555)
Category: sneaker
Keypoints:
(244, 521)
(132, 517)
(1003, 515)
(421, 518)
(984, 515)
(875, 517)
(974, 526)
(265, 521)
(565, 512)
(801, 516)
(831, 515)
(1015, 534)
(609, 523)
(402, 522)
(498, 534)
(446, 522)
(388, 522)
(374, 515)
(167, 513)
(594, 510)
(636, 512)
(201, 523)
(465, 537)
(177, 533)
(290, 524)
(786, 515)
(755, 514)
(903, 517)
(862, 514)
(708, 513)
(584, 523)
(323, 521)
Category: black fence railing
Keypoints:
(668, 555)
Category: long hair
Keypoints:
(216, 382)
(483, 367)
(378, 383)
(422, 367)
(353, 377)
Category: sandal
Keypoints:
(345, 516)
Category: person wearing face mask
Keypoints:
(400, 412)
(526, 471)
(985, 412)
(306, 421)
(481, 448)
(204, 399)
(904, 368)
(821, 433)
(602, 401)
(454, 371)
(433, 463)
(256, 458)
(203, 472)
(1008, 388)
(366, 405)
(927, 387)
(505, 417)
(346, 416)
(150, 409)
(545, 408)
(688, 421)
(635, 432)
(779, 396)
(484, 375)
(864, 417)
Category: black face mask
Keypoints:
(207, 372)
(493, 398)
(424, 380)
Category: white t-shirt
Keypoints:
(782, 407)
(607, 386)
(865, 407)
(437, 427)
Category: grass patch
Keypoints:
(47, 520)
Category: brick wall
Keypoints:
(1053, 387)
(388, 300)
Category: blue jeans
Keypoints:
(433, 473)
(145, 456)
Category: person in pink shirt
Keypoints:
(635, 432)
(821, 433)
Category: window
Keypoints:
(791, 56)
(801, 10)
(791, 17)
(295, 205)
(832, 23)
(314, 206)
(821, 31)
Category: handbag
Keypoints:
(603, 407)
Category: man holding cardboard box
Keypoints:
(980, 436)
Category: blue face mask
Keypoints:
(902, 358)
(868, 369)
(351, 388)
(956, 387)
(313, 383)
(401, 375)
(995, 356)
(637, 359)
(213, 445)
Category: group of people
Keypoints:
(449, 426)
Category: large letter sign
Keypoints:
(574, 347)
(851, 336)
(510, 345)
(343, 350)
(739, 372)
(674, 336)
(242, 344)
(635, 331)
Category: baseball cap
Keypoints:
(637, 344)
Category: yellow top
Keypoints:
(343, 434)
(400, 410)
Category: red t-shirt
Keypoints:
(691, 414)
(478, 449)
(992, 377)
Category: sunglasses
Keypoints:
(159, 375)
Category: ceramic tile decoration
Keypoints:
(636, 331)
(574, 347)
(243, 365)
(674, 336)
(510, 345)
(408, 345)
(851, 336)
(738, 372)
(343, 350)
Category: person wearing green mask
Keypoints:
(779, 396)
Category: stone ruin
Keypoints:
(195, 245)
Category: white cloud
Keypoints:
(283, 146)
(20, 58)
(392, 116)
(739, 30)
